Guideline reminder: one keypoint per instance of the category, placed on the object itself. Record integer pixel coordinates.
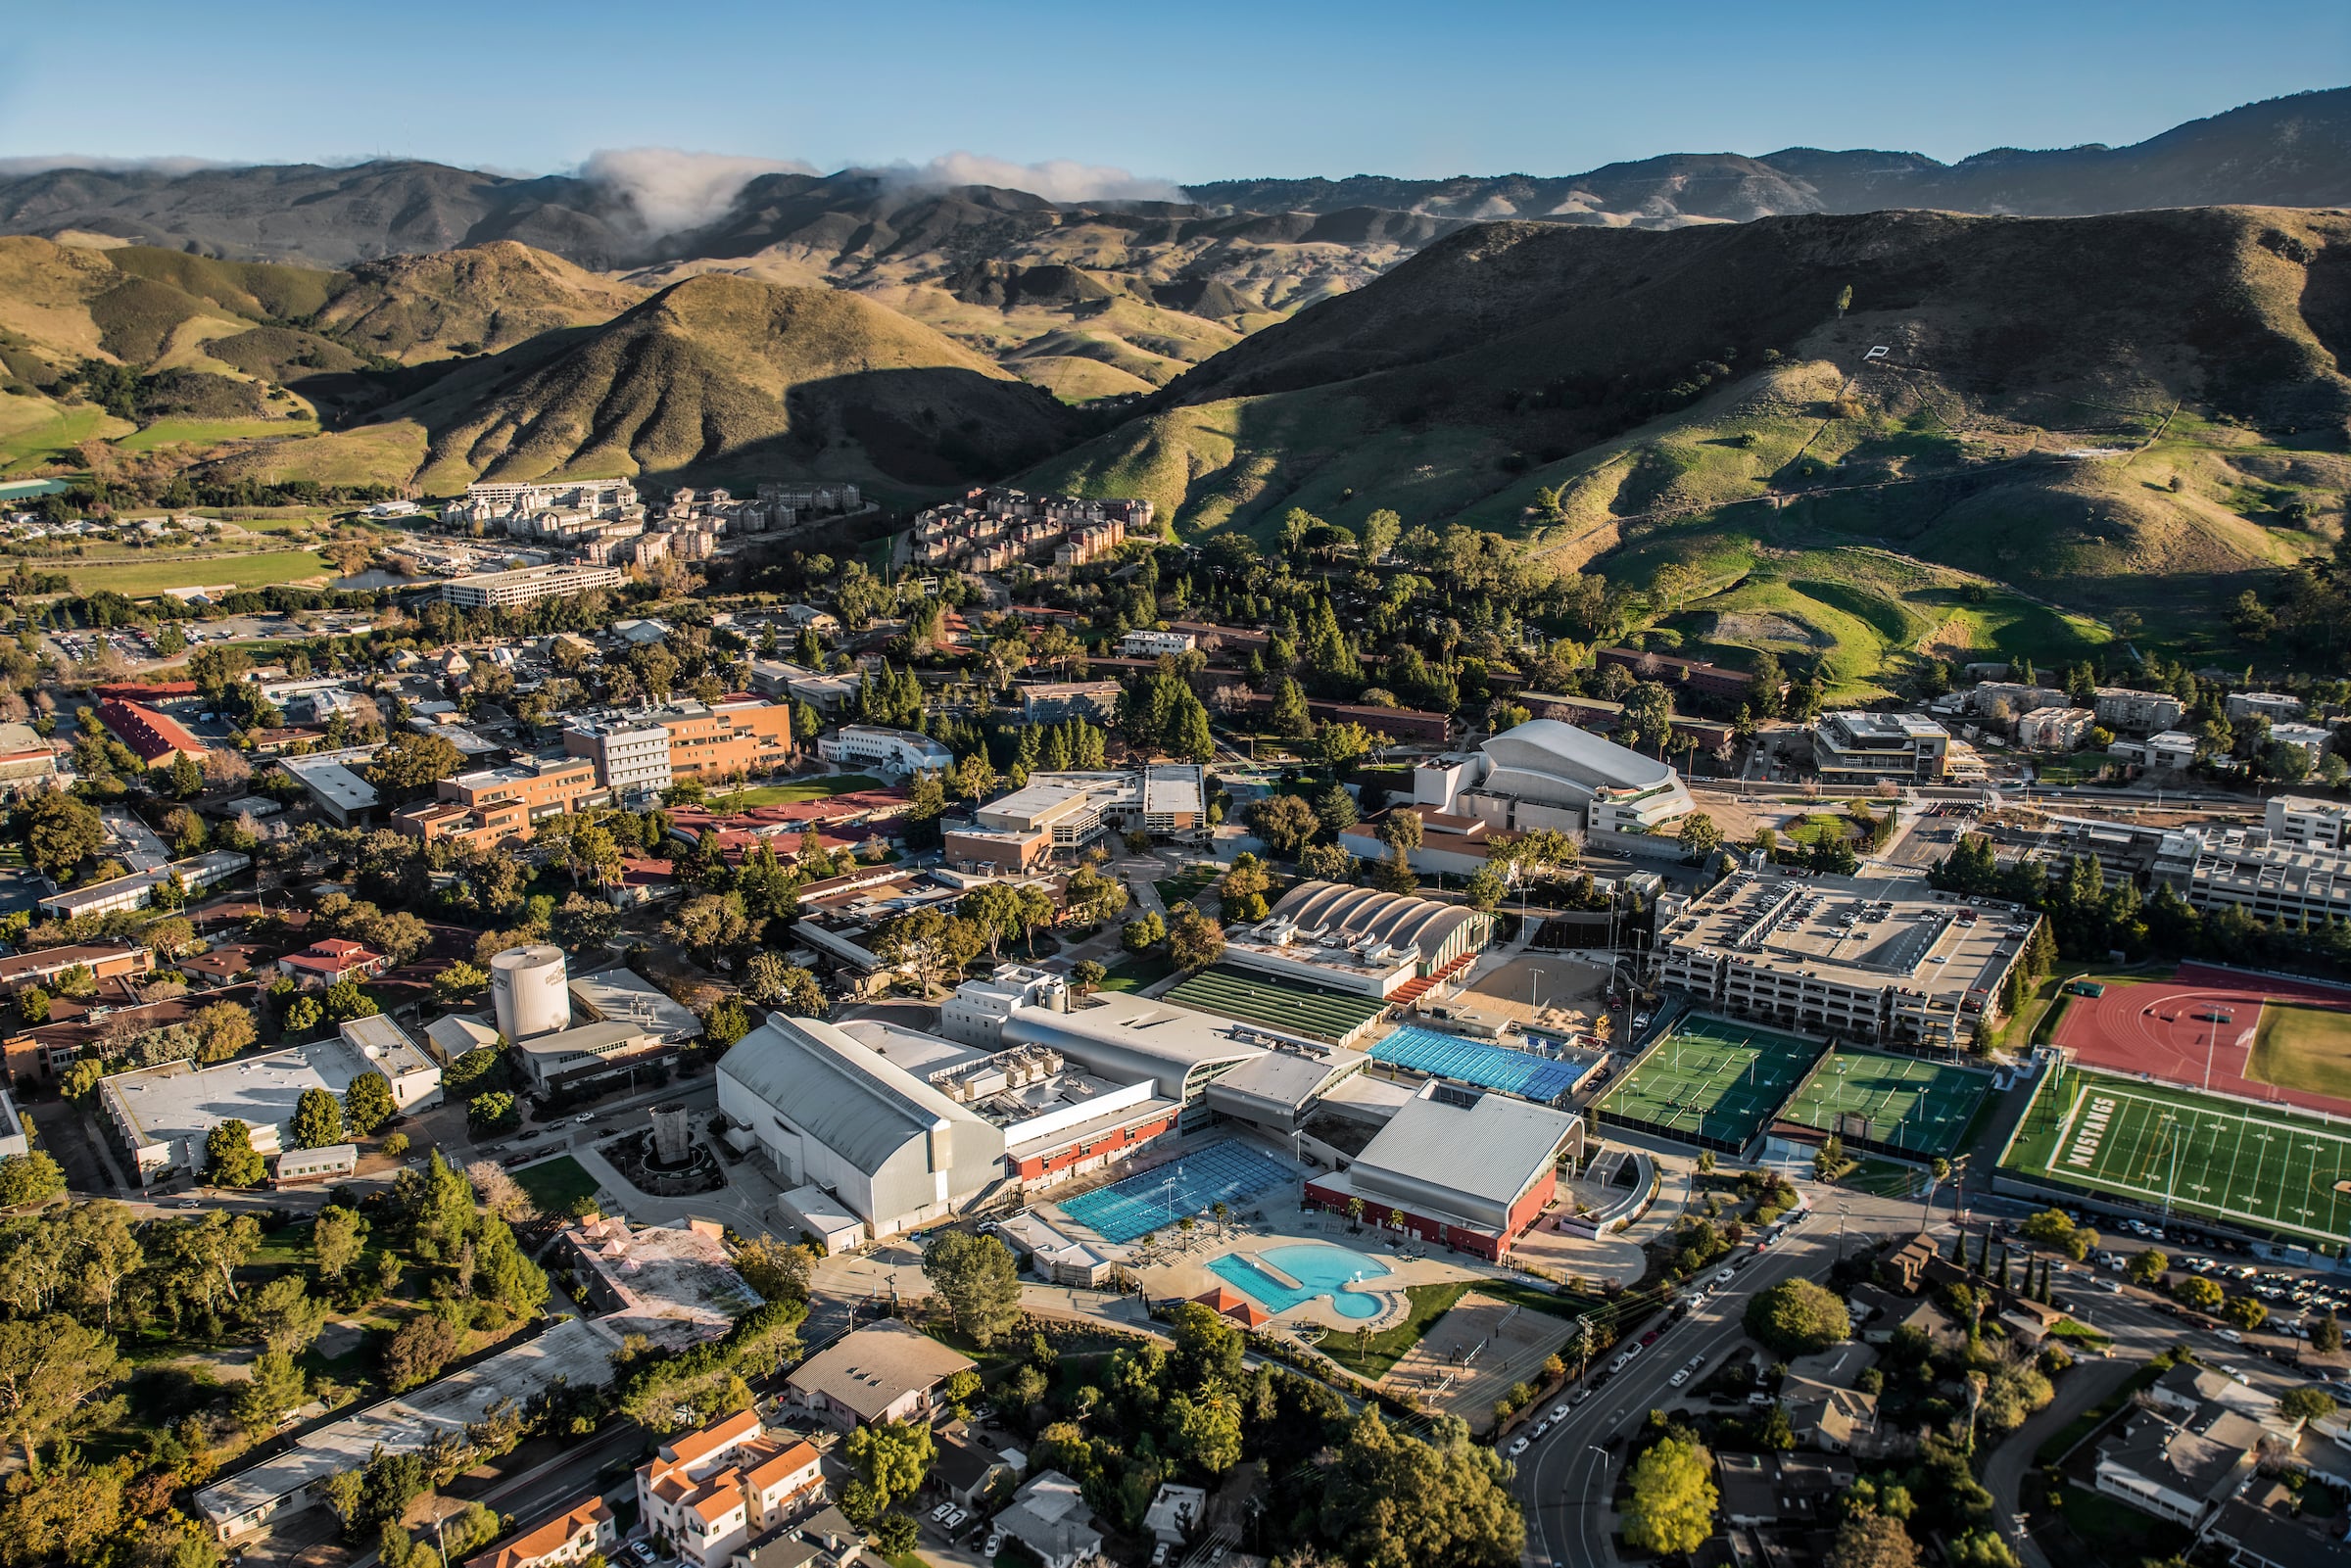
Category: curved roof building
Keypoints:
(1441, 932)
(830, 1112)
(1560, 765)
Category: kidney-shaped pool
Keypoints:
(1317, 1268)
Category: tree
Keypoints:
(284, 1317)
(414, 761)
(59, 833)
(501, 1194)
(318, 1120)
(224, 1029)
(419, 1350)
(457, 982)
(1086, 974)
(1869, 1540)
(978, 1279)
(2146, 1267)
(893, 1458)
(777, 1272)
(368, 1103)
(1401, 830)
(337, 1237)
(1289, 716)
(49, 1368)
(1285, 822)
(727, 1022)
(228, 1157)
(303, 1014)
(2326, 1334)
(2305, 1405)
(2199, 1292)
(1196, 942)
(1699, 835)
(344, 1001)
(497, 1111)
(31, 1177)
(1144, 933)
(1206, 1429)
(1673, 1498)
(897, 1534)
(273, 1392)
(1797, 1317)
(2245, 1312)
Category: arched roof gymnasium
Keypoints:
(1397, 919)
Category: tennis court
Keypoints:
(1899, 1104)
(1228, 1171)
(1711, 1081)
(1330, 1015)
(2179, 1150)
(1490, 1067)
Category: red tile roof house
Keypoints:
(578, 1533)
(157, 737)
(326, 962)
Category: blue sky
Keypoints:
(1183, 92)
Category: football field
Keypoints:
(2194, 1153)
(1710, 1081)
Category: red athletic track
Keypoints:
(2152, 1027)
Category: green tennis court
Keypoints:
(2268, 1167)
(1711, 1081)
(1332, 1016)
(1897, 1103)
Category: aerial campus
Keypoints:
(847, 1017)
(978, 864)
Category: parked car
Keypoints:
(955, 1520)
(1559, 1412)
(1681, 1376)
(938, 1515)
(1519, 1448)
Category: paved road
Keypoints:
(1565, 1481)
(2004, 1471)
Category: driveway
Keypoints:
(2004, 1472)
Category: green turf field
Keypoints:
(1238, 994)
(2267, 1166)
(1921, 1108)
(1712, 1080)
(2302, 1047)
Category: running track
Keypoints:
(2152, 1029)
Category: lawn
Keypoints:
(207, 432)
(2112, 1531)
(1184, 886)
(35, 432)
(2065, 1439)
(819, 787)
(555, 1185)
(1133, 973)
(2298, 1047)
(1383, 1349)
(1887, 1178)
(140, 579)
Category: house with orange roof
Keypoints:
(706, 1493)
(327, 961)
(578, 1533)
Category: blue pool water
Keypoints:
(1227, 1170)
(1323, 1270)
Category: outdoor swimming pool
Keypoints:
(1323, 1269)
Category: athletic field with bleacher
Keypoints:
(2269, 1167)
(1903, 1105)
(1712, 1081)
(1235, 993)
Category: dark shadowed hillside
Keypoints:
(1625, 391)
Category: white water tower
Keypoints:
(527, 987)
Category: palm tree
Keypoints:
(1223, 1212)
(1355, 1213)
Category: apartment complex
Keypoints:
(1150, 645)
(2274, 706)
(527, 585)
(2300, 820)
(2120, 708)
(1855, 747)
(706, 1494)
(1809, 957)
(2054, 729)
(992, 529)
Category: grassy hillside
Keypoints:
(2072, 408)
(721, 377)
(488, 297)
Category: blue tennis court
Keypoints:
(1227, 1171)
(1490, 1067)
